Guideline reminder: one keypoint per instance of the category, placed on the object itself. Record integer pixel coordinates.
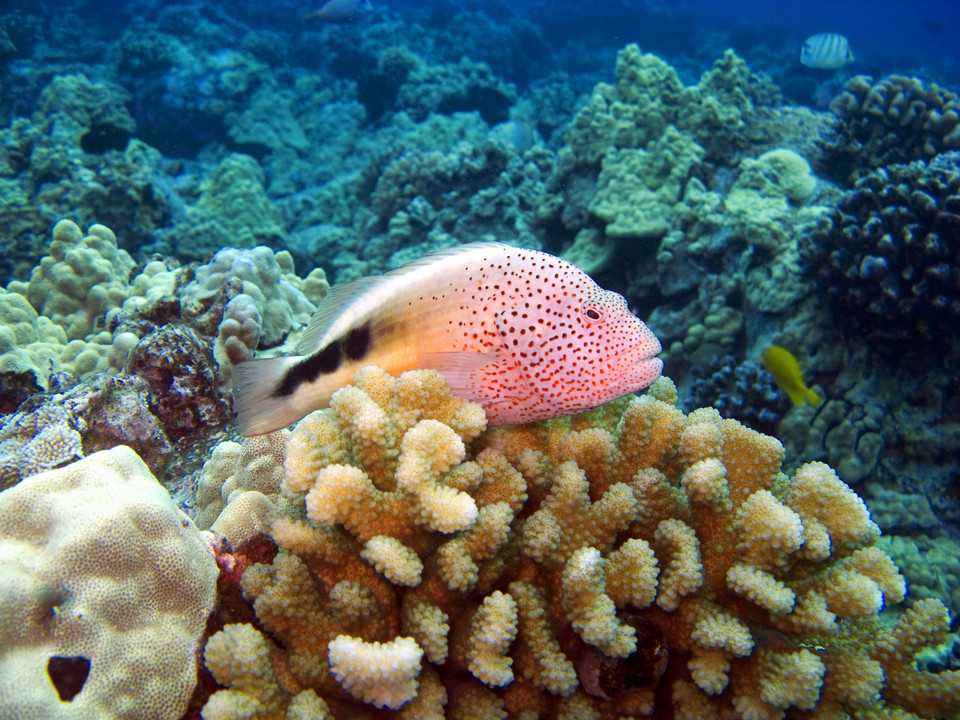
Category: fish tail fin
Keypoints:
(813, 398)
(259, 410)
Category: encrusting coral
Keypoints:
(604, 565)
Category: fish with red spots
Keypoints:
(525, 334)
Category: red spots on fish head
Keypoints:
(593, 347)
(566, 344)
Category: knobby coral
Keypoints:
(605, 565)
(895, 120)
(886, 257)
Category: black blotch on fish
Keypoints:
(325, 361)
(357, 343)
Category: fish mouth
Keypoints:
(640, 374)
(646, 352)
(646, 367)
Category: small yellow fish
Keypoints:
(786, 371)
(525, 334)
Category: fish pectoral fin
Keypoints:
(460, 368)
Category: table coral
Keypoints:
(105, 579)
(595, 565)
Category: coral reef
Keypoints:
(62, 319)
(106, 588)
(30, 345)
(488, 190)
(599, 565)
(72, 158)
(231, 146)
(886, 259)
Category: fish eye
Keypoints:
(593, 313)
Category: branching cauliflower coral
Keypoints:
(605, 565)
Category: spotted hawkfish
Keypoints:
(525, 334)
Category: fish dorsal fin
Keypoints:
(348, 305)
(433, 257)
(324, 325)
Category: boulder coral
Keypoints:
(81, 279)
(231, 209)
(272, 299)
(722, 112)
(768, 204)
(638, 188)
(105, 589)
(606, 565)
